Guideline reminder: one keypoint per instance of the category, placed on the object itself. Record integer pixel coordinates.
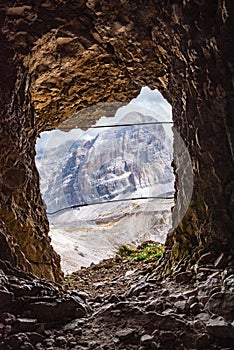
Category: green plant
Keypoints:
(125, 250)
(147, 250)
(68, 280)
(150, 251)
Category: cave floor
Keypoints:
(120, 304)
(133, 308)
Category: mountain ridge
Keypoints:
(90, 171)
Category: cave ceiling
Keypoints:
(92, 59)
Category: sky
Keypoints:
(153, 100)
(149, 102)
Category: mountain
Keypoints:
(115, 163)
(108, 164)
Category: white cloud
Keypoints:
(153, 100)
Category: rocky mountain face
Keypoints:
(116, 163)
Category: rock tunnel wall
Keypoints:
(59, 57)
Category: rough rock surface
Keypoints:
(60, 56)
(122, 304)
(28, 306)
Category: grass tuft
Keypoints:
(69, 280)
(147, 250)
(125, 250)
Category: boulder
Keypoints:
(127, 336)
(219, 328)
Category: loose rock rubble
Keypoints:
(29, 306)
(119, 304)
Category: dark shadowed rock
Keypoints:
(167, 340)
(181, 306)
(59, 310)
(167, 336)
(219, 328)
(195, 308)
(127, 336)
(15, 341)
(7, 318)
(164, 322)
(203, 342)
(146, 339)
(222, 303)
(183, 277)
(35, 337)
(6, 297)
(25, 325)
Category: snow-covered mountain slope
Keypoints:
(117, 162)
(114, 163)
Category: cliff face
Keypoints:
(58, 57)
(113, 163)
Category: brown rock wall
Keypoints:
(59, 57)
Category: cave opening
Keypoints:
(111, 184)
(59, 57)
